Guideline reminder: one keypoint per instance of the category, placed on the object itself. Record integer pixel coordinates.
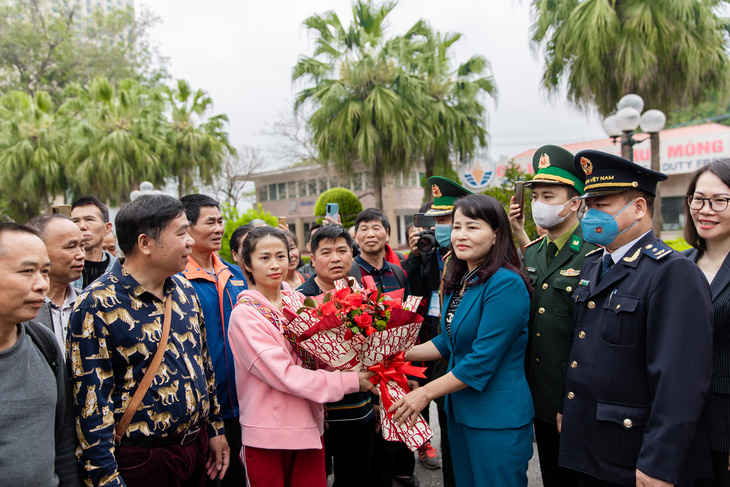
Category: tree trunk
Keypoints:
(378, 184)
(46, 201)
(429, 164)
(181, 185)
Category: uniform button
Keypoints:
(537, 334)
(618, 306)
(582, 334)
(628, 423)
(541, 310)
(571, 395)
(568, 288)
(545, 286)
(537, 359)
(574, 364)
(591, 305)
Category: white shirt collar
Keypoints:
(619, 253)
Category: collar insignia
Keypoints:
(633, 257)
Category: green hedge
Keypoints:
(234, 219)
(350, 205)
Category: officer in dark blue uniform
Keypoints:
(640, 363)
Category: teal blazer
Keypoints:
(487, 352)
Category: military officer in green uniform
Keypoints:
(553, 263)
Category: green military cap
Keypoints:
(445, 193)
(607, 173)
(554, 165)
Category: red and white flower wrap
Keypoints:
(331, 342)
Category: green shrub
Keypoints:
(350, 206)
(234, 220)
(678, 244)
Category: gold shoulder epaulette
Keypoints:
(538, 239)
(658, 250)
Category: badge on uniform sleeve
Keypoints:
(434, 306)
(584, 282)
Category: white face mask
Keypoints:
(547, 216)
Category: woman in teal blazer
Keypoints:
(484, 336)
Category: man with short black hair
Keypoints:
(377, 261)
(64, 243)
(376, 258)
(92, 217)
(36, 418)
(109, 244)
(217, 284)
(352, 420)
(175, 435)
(308, 269)
(331, 258)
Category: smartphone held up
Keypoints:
(520, 197)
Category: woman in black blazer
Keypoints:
(707, 229)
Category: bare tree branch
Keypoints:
(294, 136)
(229, 185)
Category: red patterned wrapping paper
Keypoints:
(326, 339)
(413, 438)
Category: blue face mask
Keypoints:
(442, 232)
(601, 228)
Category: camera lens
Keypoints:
(427, 241)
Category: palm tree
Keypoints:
(670, 52)
(31, 152)
(366, 106)
(119, 137)
(455, 120)
(198, 148)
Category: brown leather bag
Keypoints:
(148, 376)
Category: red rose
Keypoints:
(364, 320)
(353, 301)
(342, 293)
(328, 308)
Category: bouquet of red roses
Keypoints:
(362, 329)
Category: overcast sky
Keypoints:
(242, 53)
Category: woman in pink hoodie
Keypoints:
(280, 395)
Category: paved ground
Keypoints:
(433, 478)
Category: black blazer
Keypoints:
(717, 407)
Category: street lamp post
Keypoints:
(145, 187)
(624, 124)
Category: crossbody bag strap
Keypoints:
(148, 376)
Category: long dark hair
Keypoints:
(251, 241)
(503, 252)
(721, 169)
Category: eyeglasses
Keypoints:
(697, 203)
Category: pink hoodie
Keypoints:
(280, 401)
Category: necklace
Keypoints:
(320, 286)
